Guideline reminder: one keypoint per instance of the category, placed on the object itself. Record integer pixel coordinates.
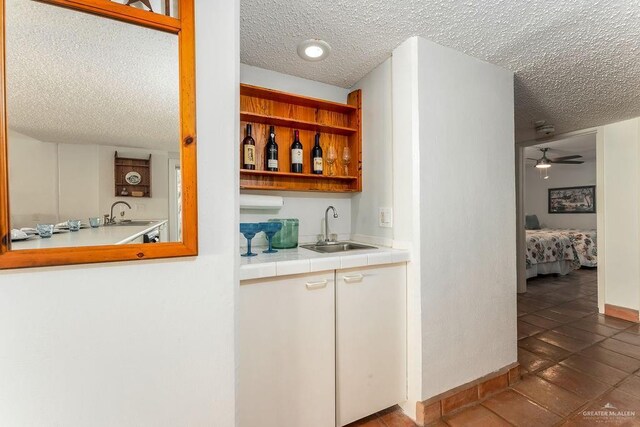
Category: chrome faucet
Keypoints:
(326, 222)
(112, 219)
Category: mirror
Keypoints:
(94, 131)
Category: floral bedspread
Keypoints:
(585, 242)
(550, 246)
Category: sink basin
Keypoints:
(333, 247)
(132, 223)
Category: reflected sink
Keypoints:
(329, 248)
(131, 222)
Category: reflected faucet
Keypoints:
(112, 219)
(326, 222)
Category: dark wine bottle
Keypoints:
(296, 153)
(271, 152)
(316, 157)
(248, 150)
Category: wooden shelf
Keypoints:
(296, 175)
(295, 123)
(289, 98)
(339, 126)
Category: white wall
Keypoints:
(33, 180)
(621, 210)
(54, 182)
(458, 124)
(536, 194)
(307, 207)
(377, 157)
(140, 343)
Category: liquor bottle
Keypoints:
(316, 157)
(271, 152)
(296, 153)
(249, 150)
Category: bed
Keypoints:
(560, 251)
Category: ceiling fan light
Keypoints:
(543, 165)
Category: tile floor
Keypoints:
(574, 362)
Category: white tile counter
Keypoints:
(300, 261)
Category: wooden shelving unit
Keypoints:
(339, 126)
(124, 165)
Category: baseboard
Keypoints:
(433, 409)
(623, 313)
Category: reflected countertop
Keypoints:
(109, 235)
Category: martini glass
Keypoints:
(270, 229)
(249, 230)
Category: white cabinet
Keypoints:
(287, 351)
(371, 340)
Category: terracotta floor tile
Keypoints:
(580, 334)
(543, 349)
(611, 358)
(631, 385)
(571, 311)
(628, 337)
(542, 322)
(559, 340)
(526, 329)
(396, 418)
(614, 401)
(519, 410)
(548, 395)
(558, 317)
(372, 421)
(478, 416)
(574, 381)
(592, 325)
(532, 362)
(622, 347)
(595, 369)
(610, 321)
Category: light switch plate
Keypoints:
(385, 217)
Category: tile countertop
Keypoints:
(300, 261)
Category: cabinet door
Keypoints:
(371, 340)
(287, 351)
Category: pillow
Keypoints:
(531, 222)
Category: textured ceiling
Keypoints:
(576, 62)
(77, 78)
(583, 145)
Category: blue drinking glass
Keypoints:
(270, 229)
(249, 230)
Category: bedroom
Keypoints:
(560, 206)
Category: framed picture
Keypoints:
(572, 200)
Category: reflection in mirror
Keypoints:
(164, 7)
(93, 129)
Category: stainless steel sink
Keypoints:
(332, 247)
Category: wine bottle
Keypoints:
(271, 152)
(296, 153)
(249, 150)
(316, 157)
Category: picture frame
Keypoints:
(572, 200)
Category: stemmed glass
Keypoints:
(270, 229)
(332, 156)
(346, 159)
(249, 230)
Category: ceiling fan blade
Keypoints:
(567, 158)
(567, 162)
(535, 160)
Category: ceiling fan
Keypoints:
(545, 162)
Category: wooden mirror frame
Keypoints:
(183, 27)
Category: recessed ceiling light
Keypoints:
(314, 50)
